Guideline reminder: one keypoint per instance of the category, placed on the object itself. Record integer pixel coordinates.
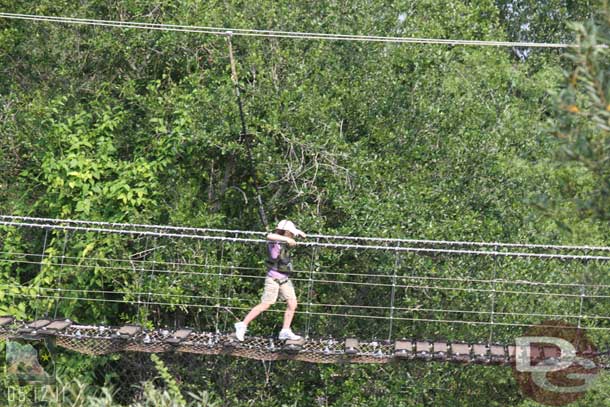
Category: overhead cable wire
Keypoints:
(277, 34)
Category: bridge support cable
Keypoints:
(493, 298)
(310, 283)
(393, 292)
(360, 283)
(139, 272)
(219, 284)
(320, 305)
(277, 34)
(61, 269)
(427, 321)
(41, 270)
(245, 137)
(582, 299)
(153, 265)
(432, 279)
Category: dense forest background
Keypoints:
(364, 139)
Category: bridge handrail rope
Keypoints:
(317, 244)
(314, 235)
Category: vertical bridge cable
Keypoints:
(218, 284)
(245, 136)
(207, 267)
(152, 276)
(493, 298)
(312, 269)
(141, 316)
(230, 290)
(582, 298)
(580, 308)
(61, 270)
(393, 294)
(582, 295)
(44, 249)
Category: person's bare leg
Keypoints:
(289, 314)
(254, 312)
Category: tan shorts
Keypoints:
(273, 288)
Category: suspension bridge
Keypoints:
(168, 288)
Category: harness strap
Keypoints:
(280, 281)
(281, 263)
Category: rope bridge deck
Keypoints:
(102, 340)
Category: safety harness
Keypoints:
(281, 263)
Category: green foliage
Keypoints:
(83, 172)
(437, 142)
(173, 390)
(582, 122)
(548, 21)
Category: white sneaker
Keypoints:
(240, 330)
(288, 334)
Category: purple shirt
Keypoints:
(274, 250)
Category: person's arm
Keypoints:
(279, 238)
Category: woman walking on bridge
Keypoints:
(277, 282)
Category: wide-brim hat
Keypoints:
(289, 226)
